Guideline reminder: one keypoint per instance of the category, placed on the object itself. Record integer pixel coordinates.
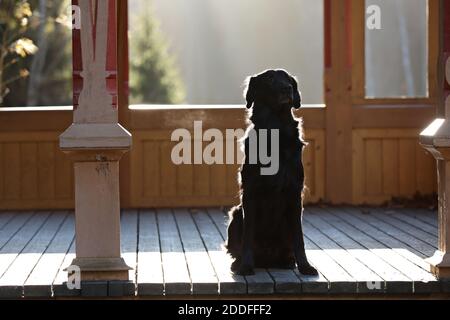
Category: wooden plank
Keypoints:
(390, 164)
(318, 158)
(427, 216)
(232, 181)
(374, 175)
(203, 275)
(13, 226)
(185, 180)
(338, 80)
(358, 21)
(359, 173)
(360, 248)
(12, 176)
(220, 219)
(427, 238)
(413, 221)
(413, 243)
(152, 168)
(202, 180)
(39, 283)
(219, 180)
(383, 237)
(426, 171)
(228, 283)
(313, 284)
(59, 285)
(19, 240)
(356, 269)
(309, 167)
(407, 158)
(46, 170)
(168, 171)
(339, 281)
(388, 249)
(149, 271)
(29, 171)
(286, 281)
(5, 218)
(138, 171)
(261, 282)
(176, 275)
(128, 241)
(63, 176)
(13, 279)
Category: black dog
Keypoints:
(265, 231)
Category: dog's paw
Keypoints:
(245, 270)
(307, 270)
(235, 266)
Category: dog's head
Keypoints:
(273, 88)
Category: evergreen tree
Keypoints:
(47, 80)
(153, 76)
(14, 45)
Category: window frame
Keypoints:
(358, 60)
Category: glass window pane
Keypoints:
(396, 59)
(214, 45)
(37, 68)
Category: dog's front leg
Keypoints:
(247, 260)
(299, 248)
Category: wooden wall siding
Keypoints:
(157, 182)
(34, 173)
(390, 163)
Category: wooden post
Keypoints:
(123, 94)
(338, 100)
(436, 139)
(96, 142)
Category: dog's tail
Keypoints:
(235, 229)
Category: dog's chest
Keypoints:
(289, 174)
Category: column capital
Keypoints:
(96, 142)
(440, 264)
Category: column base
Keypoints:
(97, 269)
(440, 264)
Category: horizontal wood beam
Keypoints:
(215, 117)
(401, 116)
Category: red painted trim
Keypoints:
(111, 55)
(94, 17)
(446, 17)
(111, 61)
(127, 61)
(446, 43)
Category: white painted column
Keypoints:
(436, 139)
(96, 142)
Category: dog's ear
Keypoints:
(250, 91)
(297, 94)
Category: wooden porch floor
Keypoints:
(178, 252)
